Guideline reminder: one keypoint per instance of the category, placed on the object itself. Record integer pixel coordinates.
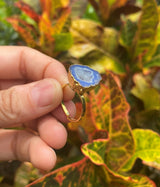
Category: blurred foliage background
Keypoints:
(121, 36)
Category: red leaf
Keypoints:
(28, 10)
(81, 174)
(46, 6)
(27, 32)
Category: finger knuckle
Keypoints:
(8, 104)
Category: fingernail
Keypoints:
(43, 93)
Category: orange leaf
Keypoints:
(45, 28)
(61, 21)
(28, 10)
(104, 9)
(46, 6)
(27, 32)
(118, 4)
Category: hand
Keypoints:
(31, 92)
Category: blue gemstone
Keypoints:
(85, 75)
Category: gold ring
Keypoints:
(81, 79)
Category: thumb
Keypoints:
(22, 103)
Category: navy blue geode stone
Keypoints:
(85, 76)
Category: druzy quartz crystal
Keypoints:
(83, 78)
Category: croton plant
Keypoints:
(117, 142)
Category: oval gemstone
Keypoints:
(85, 75)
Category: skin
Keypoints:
(31, 91)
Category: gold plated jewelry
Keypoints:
(81, 79)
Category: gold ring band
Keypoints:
(68, 114)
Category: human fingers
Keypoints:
(5, 84)
(52, 132)
(23, 103)
(24, 146)
(28, 64)
(59, 114)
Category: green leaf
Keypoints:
(99, 61)
(109, 112)
(1, 178)
(147, 144)
(154, 62)
(145, 40)
(92, 32)
(142, 90)
(127, 33)
(95, 44)
(25, 174)
(111, 178)
(81, 173)
(90, 14)
(134, 181)
(63, 41)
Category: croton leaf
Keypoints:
(84, 173)
(62, 41)
(147, 147)
(127, 33)
(49, 6)
(27, 32)
(142, 90)
(81, 173)
(95, 34)
(145, 39)
(25, 173)
(99, 61)
(135, 181)
(154, 62)
(45, 29)
(60, 22)
(106, 7)
(109, 112)
(111, 178)
(96, 45)
(118, 3)
(28, 10)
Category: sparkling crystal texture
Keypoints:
(85, 75)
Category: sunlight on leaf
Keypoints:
(145, 40)
(95, 45)
(142, 90)
(50, 6)
(147, 144)
(154, 62)
(135, 181)
(26, 173)
(63, 41)
(99, 61)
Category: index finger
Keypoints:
(29, 64)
